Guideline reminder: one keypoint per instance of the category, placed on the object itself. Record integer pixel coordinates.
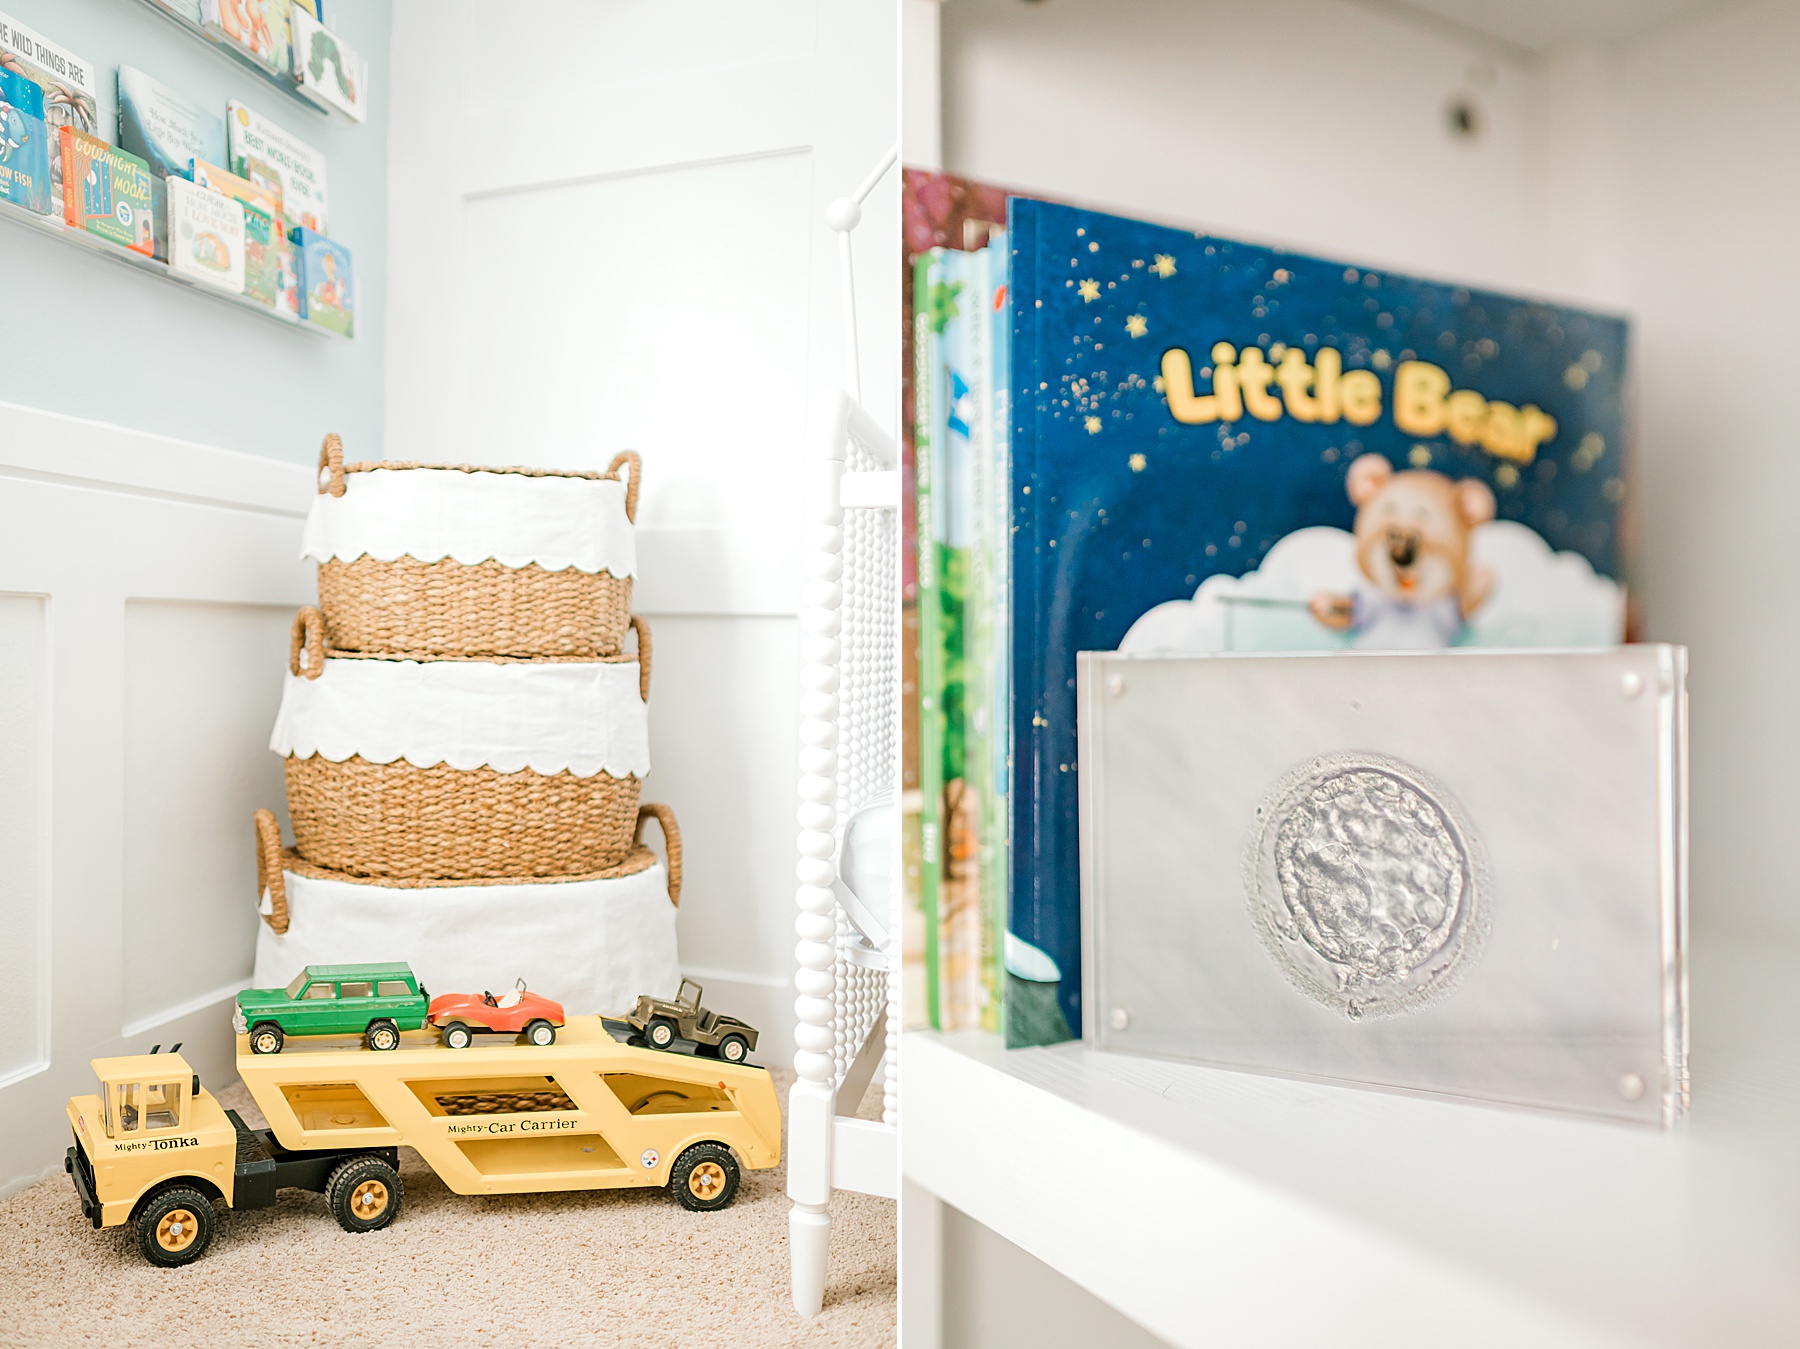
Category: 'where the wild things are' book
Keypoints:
(1218, 446)
(67, 82)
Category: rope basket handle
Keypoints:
(269, 879)
(331, 466)
(671, 843)
(308, 634)
(642, 629)
(632, 478)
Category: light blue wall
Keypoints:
(85, 336)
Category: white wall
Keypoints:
(146, 587)
(1322, 129)
(654, 273)
(87, 337)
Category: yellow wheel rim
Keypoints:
(177, 1229)
(369, 1200)
(706, 1181)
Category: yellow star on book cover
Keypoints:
(1136, 325)
(1089, 290)
(1164, 266)
(1093, 426)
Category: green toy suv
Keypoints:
(376, 1002)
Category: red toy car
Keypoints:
(460, 1017)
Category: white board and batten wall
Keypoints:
(146, 588)
(155, 469)
(637, 258)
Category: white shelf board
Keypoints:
(95, 246)
(239, 57)
(1216, 1207)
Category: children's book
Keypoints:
(328, 70)
(186, 9)
(262, 229)
(258, 27)
(933, 307)
(207, 236)
(327, 282)
(273, 158)
(68, 84)
(287, 279)
(24, 144)
(106, 192)
(1218, 446)
(168, 132)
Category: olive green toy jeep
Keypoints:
(376, 1002)
(661, 1022)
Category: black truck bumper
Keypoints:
(75, 1162)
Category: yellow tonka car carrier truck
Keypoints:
(156, 1150)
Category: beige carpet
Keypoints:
(625, 1268)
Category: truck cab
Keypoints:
(150, 1127)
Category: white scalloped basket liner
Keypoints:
(591, 945)
(432, 513)
(582, 716)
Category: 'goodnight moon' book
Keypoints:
(1222, 447)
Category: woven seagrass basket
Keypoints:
(397, 821)
(272, 860)
(448, 608)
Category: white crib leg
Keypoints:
(809, 1244)
(810, 1108)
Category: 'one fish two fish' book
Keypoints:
(1218, 446)
(24, 144)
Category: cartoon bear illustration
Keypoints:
(1412, 546)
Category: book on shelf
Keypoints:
(1220, 446)
(68, 83)
(24, 144)
(185, 9)
(272, 157)
(207, 236)
(168, 132)
(947, 213)
(263, 230)
(259, 28)
(328, 70)
(314, 9)
(106, 192)
(327, 282)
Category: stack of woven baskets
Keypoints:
(465, 737)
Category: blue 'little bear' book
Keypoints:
(1218, 446)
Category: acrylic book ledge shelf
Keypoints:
(100, 248)
(231, 52)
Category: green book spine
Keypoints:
(927, 392)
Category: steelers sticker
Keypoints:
(649, 1159)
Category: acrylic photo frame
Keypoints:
(1456, 873)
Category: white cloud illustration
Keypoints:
(1540, 598)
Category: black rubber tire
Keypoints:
(382, 1035)
(712, 1160)
(353, 1183)
(734, 1049)
(458, 1036)
(661, 1033)
(260, 1031)
(540, 1033)
(161, 1222)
